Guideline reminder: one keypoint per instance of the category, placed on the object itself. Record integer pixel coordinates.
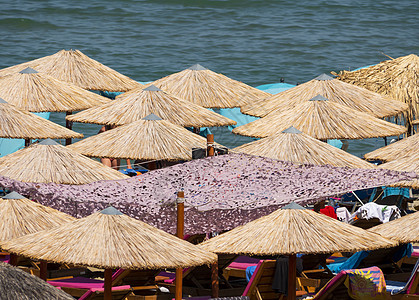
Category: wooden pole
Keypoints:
(179, 233)
(292, 277)
(108, 285)
(43, 272)
(27, 142)
(214, 280)
(210, 144)
(69, 125)
(13, 259)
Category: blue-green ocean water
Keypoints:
(256, 42)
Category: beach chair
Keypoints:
(238, 267)
(118, 293)
(407, 289)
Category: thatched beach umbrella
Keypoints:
(350, 95)
(322, 119)
(405, 147)
(109, 240)
(397, 78)
(20, 124)
(148, 139)
(295, 146)
(293, 230)
(208, 89)
(17, 284)
(50, 162)
(74, 67)
(407, 163)
(134, 106)
(37, 92)
(403, 230)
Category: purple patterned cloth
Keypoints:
(221, 192)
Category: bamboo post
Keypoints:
(43, 272)
(108, 285)
(69, 125)
(292, 277)
(210, 144)
(179, 233)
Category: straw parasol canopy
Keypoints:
(407, 163)
(20, 216)
(148, 139)
(74, 67)
(405, 147)
(208, 89)
(20, 124)
(322, 119)
(49, 161)
(403, 230)
(397, 78)
(295, 146)
(350, 95)
(134, 106)
(18, 284)
(293, 230)
(415, 122)
(38, 92)
(109, 239)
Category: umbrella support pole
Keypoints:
(69, 125)
(210, 145)
(108, 285)
(43, 272)
(13, 259)
(179, 233)
(214, 280)
(27, 142)
(292, 277)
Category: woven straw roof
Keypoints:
(146, 139)
(335, 90)
(134, 106)
(403, 230)
(322, 119)
(407, 163)
(405, 147)
(397, 78)
(48, 162)
(209, 89)
(20, 124)
(74, 67)
(110, 239)
(38, 92)
(295, 146)
(20, 216)
(293, 230)
(18, 284)
(415, 122)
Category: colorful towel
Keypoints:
(364, 284)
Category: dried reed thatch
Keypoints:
(397, 78)
(110, 239)
(405, 147)
(209, 89)
(20, 124)
(74, 67)
(148, 139)
(48, 162)
(322, 119)
(17, 284)
(37, 92)
(134, 106)
(20, 216)
(407, 163)
(293, 230)
(403, 230)
(295, 146)
(335, 90)
(415, 122)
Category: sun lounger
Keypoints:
(118, 293)
(407, 289)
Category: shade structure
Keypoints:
(18, 284)
(405, 147)
(20, 124)
(208, 89)
(20, 216)
(221, 192)
(137, 105)
(293, 230)
(350, 95)
(403, 230)
(407, 163)
(415, 122)
(109, 239)
(49, 161)
(37, 92)
(295, 146)
(75, 67)
(397, 78)
(148, 139)
(322, 119)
